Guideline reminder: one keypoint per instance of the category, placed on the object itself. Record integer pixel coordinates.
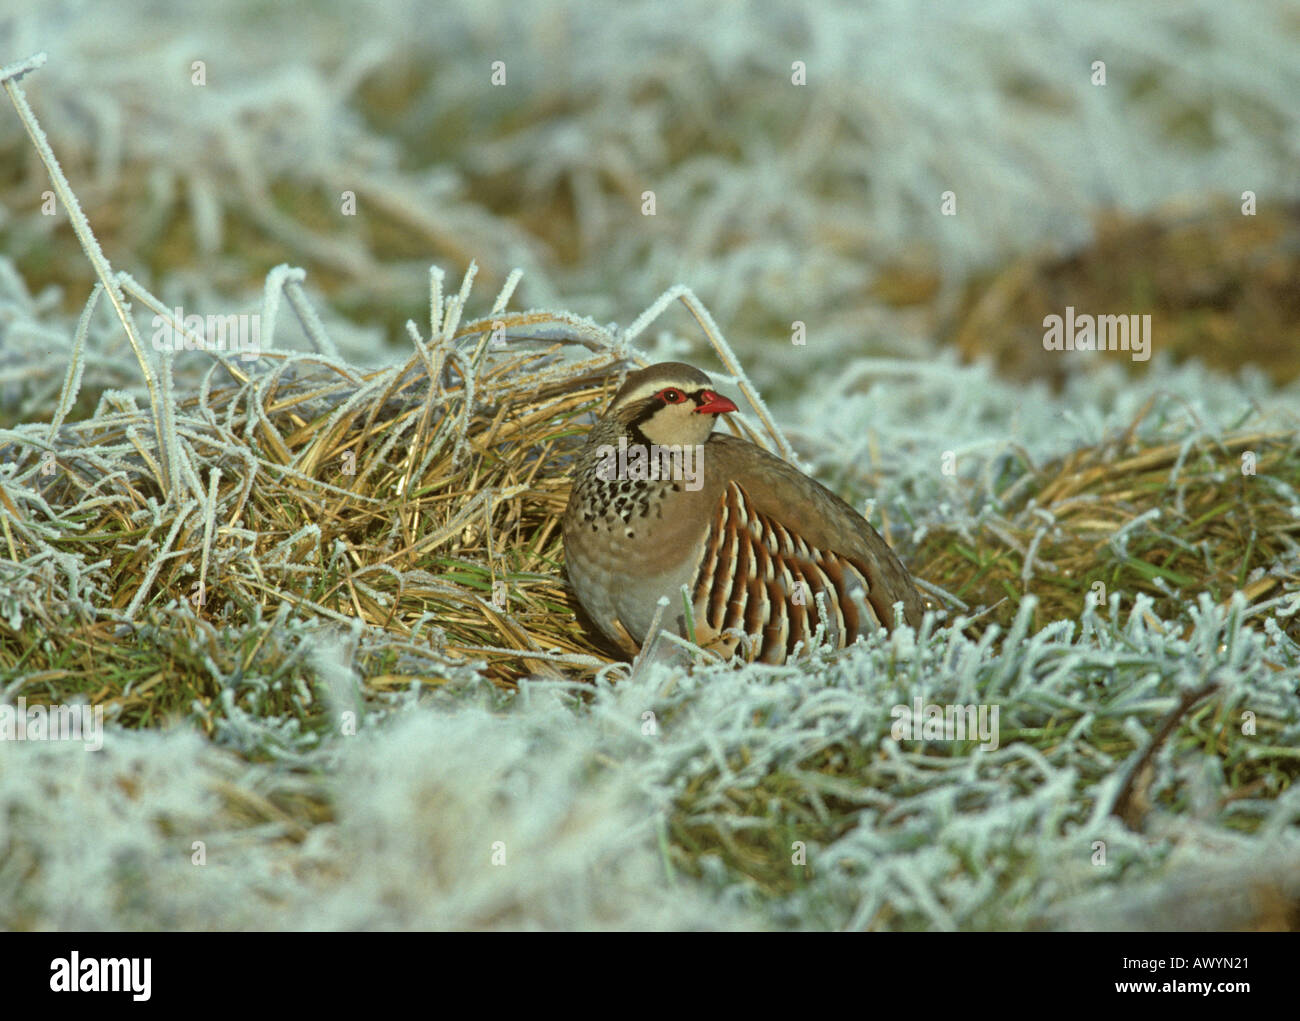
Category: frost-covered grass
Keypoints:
(680, 800)
(319, 595)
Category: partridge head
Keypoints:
(767, 554)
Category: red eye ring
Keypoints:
(671, 396)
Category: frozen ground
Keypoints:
(477, 809)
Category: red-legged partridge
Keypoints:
(765, 552)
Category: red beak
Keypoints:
(714, 404)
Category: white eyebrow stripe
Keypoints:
(650, 389)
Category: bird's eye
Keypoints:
(671, 396)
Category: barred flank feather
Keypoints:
(758, 577)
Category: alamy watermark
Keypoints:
(923, 721)
(639, 462)
(1098, 333)
(236, 333)
(21, 722)
(77, 974)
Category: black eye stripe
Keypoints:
(646, 407)
(649, 407)
(676, 395)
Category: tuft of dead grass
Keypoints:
(1130, 516)
(419, 504)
